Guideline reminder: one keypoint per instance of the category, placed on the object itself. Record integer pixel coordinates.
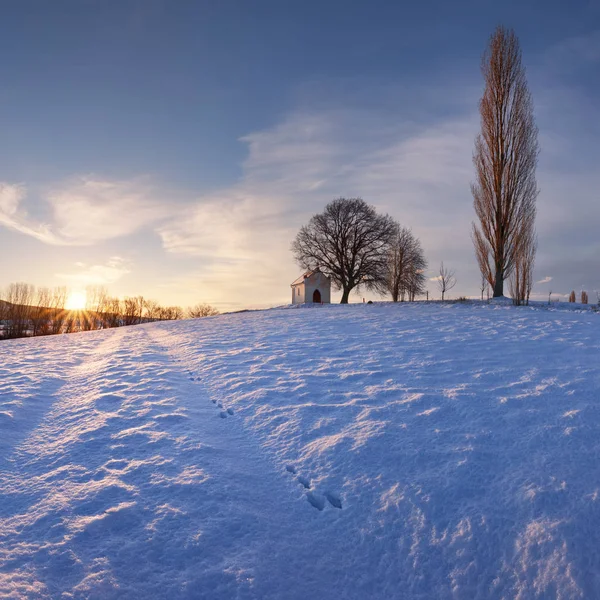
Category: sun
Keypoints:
(76, 301)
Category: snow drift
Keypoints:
(371, 451)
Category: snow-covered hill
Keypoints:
(370, 451)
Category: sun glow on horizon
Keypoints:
(76, 301)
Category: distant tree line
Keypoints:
(27, 311)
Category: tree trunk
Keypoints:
(345, 295)
(498, 284)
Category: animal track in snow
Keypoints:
(230, 411)
(317, 501)
(333, 499)
(223, 414)
(304, 481)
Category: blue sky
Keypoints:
(173, 149)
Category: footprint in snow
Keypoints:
(230, 411)
(304, 481)
(333, 499)
(223, 414)
(317, 501)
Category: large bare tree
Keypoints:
(406, 266)
(505, 159)
(349, 242)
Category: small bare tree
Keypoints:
(93, 316)
(3, 313)
(58, 312)
(201, 310)
(349, 242)
(133, 309)
(20, 299)
(152, 310)
(505, 159)
(171, 313)
(446, 280)
(41, 318)
(584, 297)
(406, 265)
(112, 313)
(572, 297)
(483, 285)
(521, 278)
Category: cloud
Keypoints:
(112, 271)
(579, 51)
(419, 174)
(14, 216)
(11, 196)
(87, 210)
(545, 280)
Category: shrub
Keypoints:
(201, 310)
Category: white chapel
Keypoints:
(312, 286)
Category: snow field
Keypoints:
(380, 451)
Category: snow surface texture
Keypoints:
(371, 451)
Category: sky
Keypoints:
(173, 149)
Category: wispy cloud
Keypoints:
(108, 273)
(577, 51)
(86, 210)
(294, 168)
(14, 216)
(11, 196)
(545, 280)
